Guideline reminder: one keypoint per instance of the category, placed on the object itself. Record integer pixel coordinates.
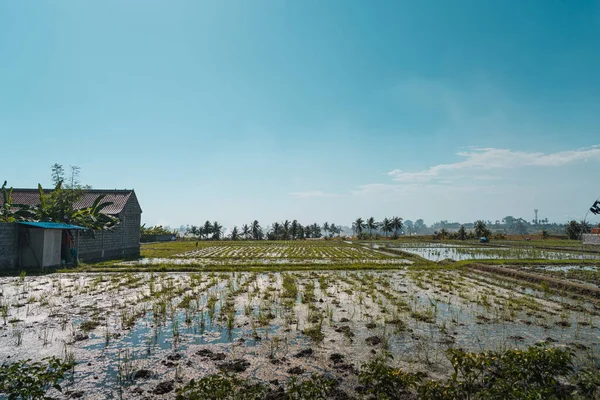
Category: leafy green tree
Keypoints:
(419, 226)
(575, 229)
(409, 225)
(235, 234)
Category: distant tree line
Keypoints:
(389, 227)
(285, 230)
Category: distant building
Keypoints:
(123, 241)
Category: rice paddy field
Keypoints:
(312, 319)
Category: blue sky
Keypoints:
(315, 110)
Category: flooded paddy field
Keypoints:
(289, 254)
(147, 335)
(441, 251)
(582, 274)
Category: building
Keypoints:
(46, 244)
(123, 241)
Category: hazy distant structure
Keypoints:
(535, 221)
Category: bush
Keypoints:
(31, 380)
(532, 373)
(229, 387)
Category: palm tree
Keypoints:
(371, 224)
(333, 229)
(386, 226)
(245, 231)
(235, 235)
(462, 233)
(443, 233)
(396, 225)
(308, 231)
(326, 228)
(316, 230)
(217, 230)
(294, 229)
(358, 226)
(208, 228)
(256, 231)
(481, 229)
(276, 232)
(285, 230)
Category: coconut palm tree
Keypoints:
(386, 226)
(235, 234)
(245, 231)
(358, 226)
(285, 230)
(257, 233)
(308, 231)
(332, 229)
(208, 228)
(326, 228)
(217, 230)
(294, 229)
(371, 224)
(462, 233)
(396, 225)
(276, 232)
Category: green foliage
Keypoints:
(58, 204)
(575, 229)
(386, 382)
(532, 373)
(588, 383)
(462, 233)
(155, 230)
(317, 388)
(230, 387)
(31, 380)
(221, 387)
(481, 229)
(12, 212)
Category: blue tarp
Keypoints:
(52, 225)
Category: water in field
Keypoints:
(438, 252)
(182, 326)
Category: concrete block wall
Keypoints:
(9, 251)
(121, 242)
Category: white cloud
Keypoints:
(313, 193)
(477, 159)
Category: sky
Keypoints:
(312, 110)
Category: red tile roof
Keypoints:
(119, 198)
